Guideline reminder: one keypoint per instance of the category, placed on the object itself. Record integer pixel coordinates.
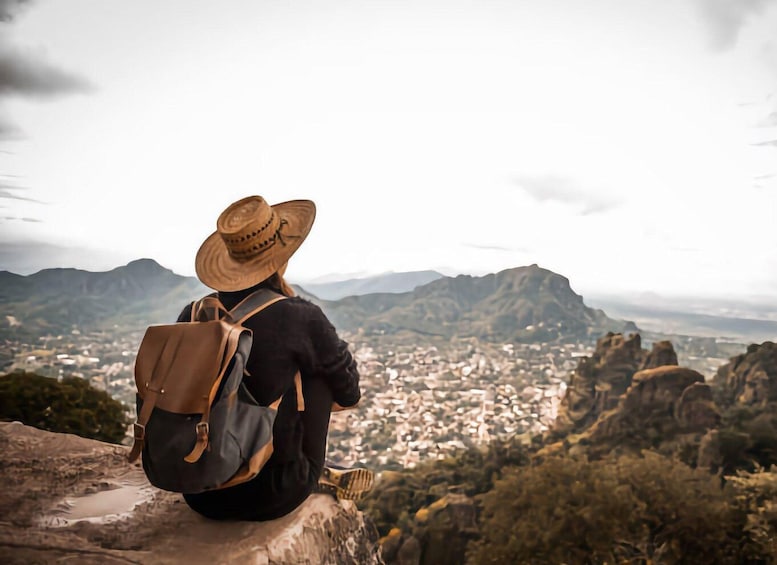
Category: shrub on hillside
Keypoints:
(630, 509)
(70, 406)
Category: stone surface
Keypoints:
(71, 499)
(649, 408)
(696, 410)
(750, 378)
(600, 381)
(662, 353)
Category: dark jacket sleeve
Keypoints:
(332, 360)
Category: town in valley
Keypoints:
(422, 398)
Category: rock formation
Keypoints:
(750, 378)
(598, 382)
(660, 404)
(663, 353)
(66, 498)
(626, 398)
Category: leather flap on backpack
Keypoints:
(182, 362)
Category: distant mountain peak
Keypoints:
(145, 265)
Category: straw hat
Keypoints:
(252, 241)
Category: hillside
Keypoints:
(522, 304)
(53, 301)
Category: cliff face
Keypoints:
(660, 404)
(626, 398)
(599, 381)
(69, 498)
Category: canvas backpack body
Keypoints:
(198, 427)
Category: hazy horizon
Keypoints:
(688, 302)
(626, 145)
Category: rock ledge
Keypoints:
(70, 498)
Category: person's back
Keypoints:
(249, 250)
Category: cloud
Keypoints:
(725, 19)
(25, 74)
(769, 121)
(9, 9)
(765, 177)
(8, 130)
(768, 54)
(769, 143)
(6, 193)
(502, 248)
(26, 257)
(551, 188)
(13, 218)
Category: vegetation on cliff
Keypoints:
(71, 406)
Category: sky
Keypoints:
(629, 145)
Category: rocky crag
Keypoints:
(69, 498)
(749, 378)
(625, 398)
(600, 380)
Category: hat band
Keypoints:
(261, 247)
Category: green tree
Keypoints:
(70, 406)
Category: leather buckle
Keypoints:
(139, 431)
(202, 429)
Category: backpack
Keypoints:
(198, 426)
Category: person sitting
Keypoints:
(250, 250)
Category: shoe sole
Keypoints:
(351, 484)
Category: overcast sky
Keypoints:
(628, 145)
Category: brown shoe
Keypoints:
(349, 484)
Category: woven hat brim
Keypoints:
(218, 270)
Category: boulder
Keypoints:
(662, 353)
(660, 403)
(658, 389)
(66, 498)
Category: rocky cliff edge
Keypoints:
(68, 498)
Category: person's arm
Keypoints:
(333, 361)
(186, 313)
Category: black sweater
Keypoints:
(290, 335)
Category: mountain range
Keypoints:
(54, 301)
(522, 304)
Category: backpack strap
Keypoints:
(200, 308)
(253, 304)
(298, 387)
(229, 346)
